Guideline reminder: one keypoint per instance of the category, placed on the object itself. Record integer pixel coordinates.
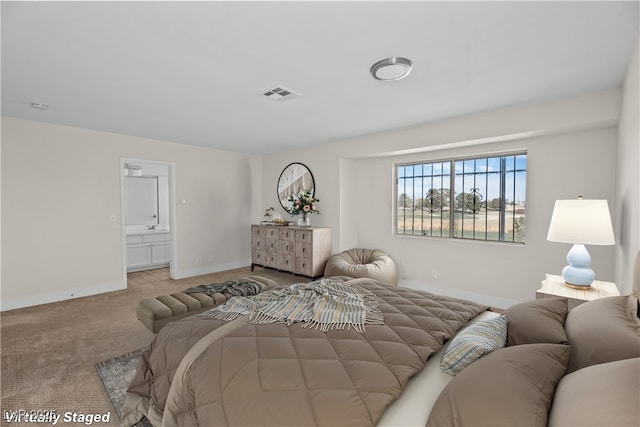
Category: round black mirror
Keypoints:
(295, 178)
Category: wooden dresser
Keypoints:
(298, 250)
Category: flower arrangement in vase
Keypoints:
(303, 204)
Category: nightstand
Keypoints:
(553, 287)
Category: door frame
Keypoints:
(172, 212)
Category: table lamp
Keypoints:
(581, 222)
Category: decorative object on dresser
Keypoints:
(303, 251)
(268, 213)
(581, 222)
(273, 219)
(554, 286)
(303, 205)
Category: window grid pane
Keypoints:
(422, 196)
(487, 202)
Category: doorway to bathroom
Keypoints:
(147, 199)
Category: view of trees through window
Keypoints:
(475, 198)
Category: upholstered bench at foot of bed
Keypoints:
(156, 312)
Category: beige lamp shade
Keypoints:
(581, 221)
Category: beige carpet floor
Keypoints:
(48, 352)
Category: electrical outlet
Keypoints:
(434, 274)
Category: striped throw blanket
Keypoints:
(324, 304)
(244, 287)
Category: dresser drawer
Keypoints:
(257, 231)
(286, 247)
(271, 259)
(271, 245)
(257, 257)
(257, 243)
(303, 250)
(287, 234)
(271, 232)
(304, 236)
(286, 262)
(304, 266)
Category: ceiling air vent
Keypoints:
(279, 93)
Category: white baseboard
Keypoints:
(183, 274)
(60, 295)
(490, 300)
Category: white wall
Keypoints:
(61, 185)
(58, 240)
(572, 150)
(628, 178)
(511, 271)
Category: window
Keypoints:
(473, 198)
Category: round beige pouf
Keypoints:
(371, 263)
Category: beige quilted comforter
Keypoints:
(278, 375)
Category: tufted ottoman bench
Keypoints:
(156, 312)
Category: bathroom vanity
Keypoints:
(148, 249)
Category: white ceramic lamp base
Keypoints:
(578, 274)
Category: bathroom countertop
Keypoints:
(144, 231)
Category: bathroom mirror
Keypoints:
(142, 200)
(294, 179)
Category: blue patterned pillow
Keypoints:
(474, 342)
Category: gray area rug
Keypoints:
(116, 375)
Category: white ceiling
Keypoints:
(191, 72)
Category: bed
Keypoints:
(528, 366)
(275, 374)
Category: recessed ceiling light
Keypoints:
(390, 69)
(39, 106)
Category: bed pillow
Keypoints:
(599, 395)
(510, 387)
(537, 321)
(603, 330)
(472, 343)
